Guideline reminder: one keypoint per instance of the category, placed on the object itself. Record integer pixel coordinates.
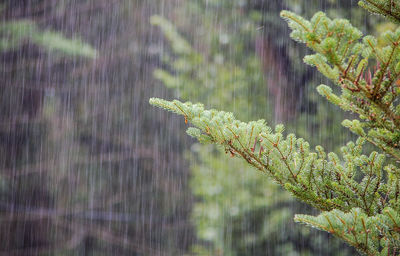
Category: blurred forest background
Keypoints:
(88, 167)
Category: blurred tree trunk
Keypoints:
(283, 93)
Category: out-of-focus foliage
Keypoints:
(14, 33)
(214, 77)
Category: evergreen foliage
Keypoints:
(358, 194)
(388, 8)
(236, 214)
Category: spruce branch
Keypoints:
(358, 194)
(315, 177)
(359, 230)
(343, 56)
(387, 8)
(341, 188)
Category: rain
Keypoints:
(89, 167)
